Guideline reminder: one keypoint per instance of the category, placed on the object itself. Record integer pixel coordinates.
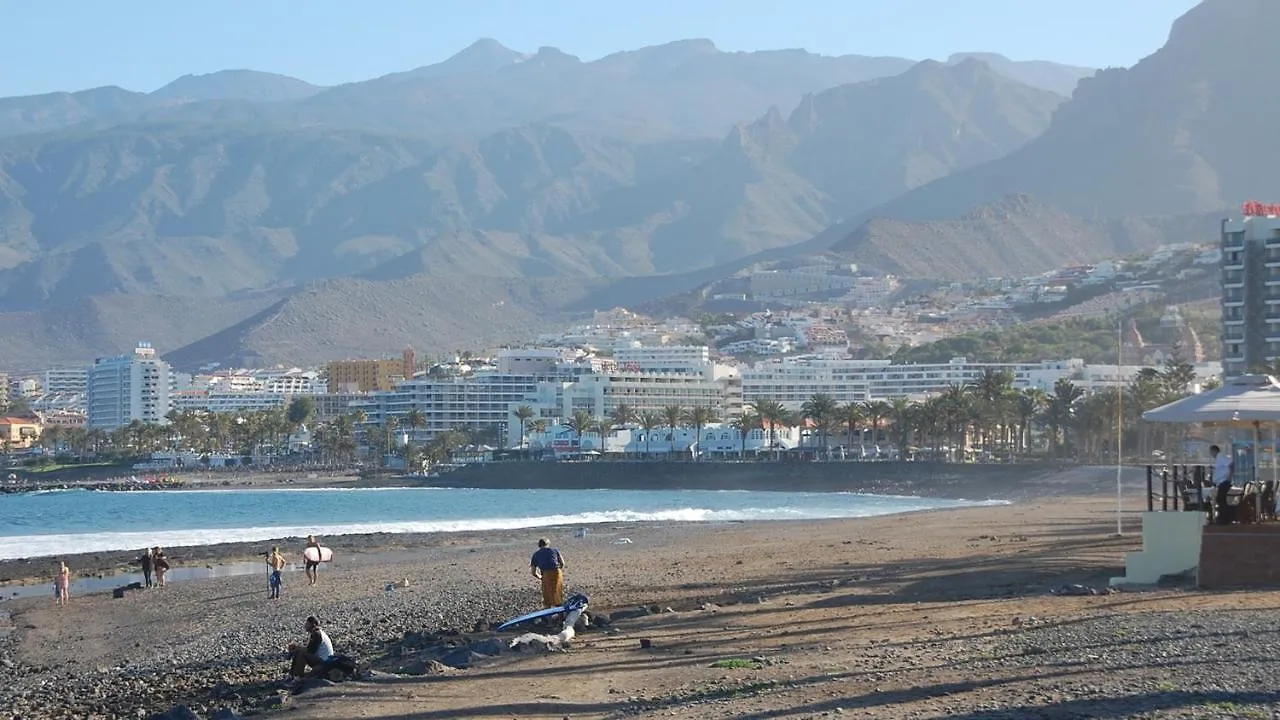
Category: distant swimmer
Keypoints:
(548, 566)
(276, 561)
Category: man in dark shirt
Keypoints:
(147, 565)
(548, 566)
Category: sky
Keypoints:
(52, 45)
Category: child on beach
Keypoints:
(161, 562)
(276, 562)
(63, 585)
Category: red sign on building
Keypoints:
(1253, 208)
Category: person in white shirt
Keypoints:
(1223, 469)
(318, 650)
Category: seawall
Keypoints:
(965, 481)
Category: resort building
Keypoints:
(362, 376)
(66, 381)
(129, 387)
(217, 401)
(1251, 290)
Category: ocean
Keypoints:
(77, 521)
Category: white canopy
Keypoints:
(1242, 400)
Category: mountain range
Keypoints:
(481, 198)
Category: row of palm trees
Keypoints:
(988, 415)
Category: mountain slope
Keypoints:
(1014, 236)
(359, 318)
(181, 210)
(778, 181)
(236, 85)
(1185, 129)
(1054, 77)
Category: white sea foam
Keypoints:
(20, 546)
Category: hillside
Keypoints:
(1013, 236)
(180, 209)
(1184, 130)
(360, 318)
(778, 181)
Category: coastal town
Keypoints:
(605, 385)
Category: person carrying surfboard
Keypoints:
(312, 558)
(548, 566)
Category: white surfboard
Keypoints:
(317, 554)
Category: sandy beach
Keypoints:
(938, 614)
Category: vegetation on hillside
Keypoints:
(1093, 340)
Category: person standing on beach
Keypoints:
(548, 566)
(1223, 469)
(161, 561)
(63, 586)
(276, 561)
(147, 563)
(312, 567)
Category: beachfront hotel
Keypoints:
(555, 383)
(1251, 290)
(135, 386)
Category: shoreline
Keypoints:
(104, 565)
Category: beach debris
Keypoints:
(709, 607)
(1077, 589)
(645, 643)
(574, 609)
(397, 585)
(622, 541)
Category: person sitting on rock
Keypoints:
(319, 649)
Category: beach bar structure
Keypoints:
(1234, 546)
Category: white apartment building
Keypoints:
(679, 359)
(129, 387)
(219, 401)
(66, 381)
(292, 382)
(480, 402)
(717, 440)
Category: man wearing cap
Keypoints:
(548, 566)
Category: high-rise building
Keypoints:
(127, 388)
(1251, 290)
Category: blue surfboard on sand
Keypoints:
(577, 601)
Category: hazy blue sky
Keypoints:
(48, 45)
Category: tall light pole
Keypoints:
(1119, 426)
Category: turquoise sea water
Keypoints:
(76, 521)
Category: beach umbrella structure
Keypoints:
(1245, 401)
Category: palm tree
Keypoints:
(877, 411)
(993, 388)
(772, 413)
(1060, 411)
(744, 424)
(674, 415)
(820, 408)
(581, 423)
(901, 412)
(851, 417)
(649, 420)
(699, 417)
(523, 413)
(1028, 405)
